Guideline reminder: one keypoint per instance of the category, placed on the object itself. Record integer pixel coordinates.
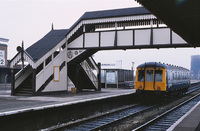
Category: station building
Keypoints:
(5, 74)
(3, 52)
(195, 68)
(114, 76)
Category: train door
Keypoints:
(160, 80)
(139, 81)
(149, 84)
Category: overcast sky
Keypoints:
(30, 20)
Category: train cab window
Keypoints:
(140, 75)
(149, 75)
(158, 75)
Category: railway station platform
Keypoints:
(15, 104)
(189, 122)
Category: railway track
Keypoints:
(168, 118)
(193, 89)
(101, 121)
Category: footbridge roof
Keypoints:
(45, 44)
(115, 15)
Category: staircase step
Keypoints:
(26, 87)
(27, 90)
(22, 94)
(24, 90)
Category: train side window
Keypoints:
(175, 76)
(140, 75)
(170, 75)
(149, 75)
(158, 75)
(178, 75)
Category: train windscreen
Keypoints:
(140, 75)
(158, 75)
(149, 75)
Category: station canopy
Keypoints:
(182, 16)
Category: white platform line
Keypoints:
(183, 117)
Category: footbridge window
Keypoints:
(39, 68)
(48, 60)
(56, 53)
(63, 46)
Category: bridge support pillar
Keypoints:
(99, 77)
(13, 81)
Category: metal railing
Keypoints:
(86, 66)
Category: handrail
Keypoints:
(85, 65)
(20, 76)
(21, 72)
(94, 63)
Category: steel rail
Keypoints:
(102, 120)
(145, 125)
(87, 119)
(193, 89)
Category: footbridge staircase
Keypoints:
(68, 53)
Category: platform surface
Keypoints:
(190, 121)
(13, 104)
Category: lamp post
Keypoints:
(21, 49)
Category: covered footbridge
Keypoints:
(67, 53)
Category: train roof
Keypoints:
(161, 65)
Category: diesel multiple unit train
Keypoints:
(154, 77)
